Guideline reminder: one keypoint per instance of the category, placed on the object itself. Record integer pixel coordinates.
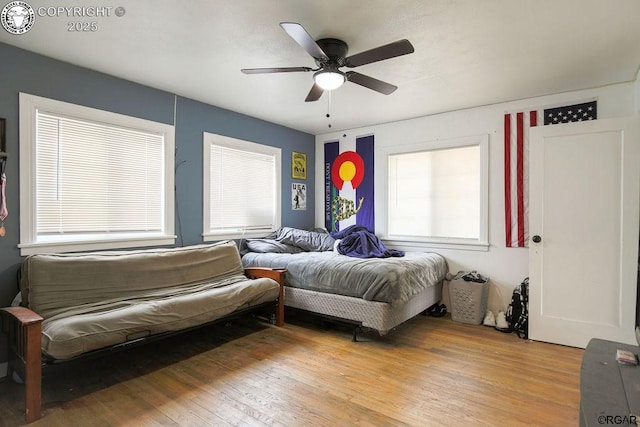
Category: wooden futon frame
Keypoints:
(24, 328)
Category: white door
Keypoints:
(584, 197)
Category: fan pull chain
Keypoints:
(329, 105)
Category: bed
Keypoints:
(376, 293)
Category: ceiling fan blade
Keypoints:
(391, 50)
(314, 94)
(370, 83)
(274, 70)
(300, 35)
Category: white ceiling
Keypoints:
(467, 52)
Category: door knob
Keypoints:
(536, 239)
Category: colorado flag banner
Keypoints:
(348, 184)
(516, 162)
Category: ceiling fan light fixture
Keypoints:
(329, 55)
(329, 79)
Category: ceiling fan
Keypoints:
(330, 55)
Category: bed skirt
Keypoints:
(370, 314)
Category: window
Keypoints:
(91, 179)
(241, 188)
(437, 194)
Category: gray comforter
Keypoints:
(390, 280)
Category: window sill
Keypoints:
(414, 245)
(95, 245)
(233, 235)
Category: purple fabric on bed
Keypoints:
(357, 241)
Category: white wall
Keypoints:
(506, 267)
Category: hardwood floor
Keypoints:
(429, 371)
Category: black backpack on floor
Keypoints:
(517, 314)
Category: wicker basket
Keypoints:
(468, 300)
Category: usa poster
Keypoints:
(298, 196)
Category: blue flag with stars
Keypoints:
(571, 113)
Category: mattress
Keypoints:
(95, 326)
(393, 280)
(98, 299)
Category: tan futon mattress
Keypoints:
(94, 300)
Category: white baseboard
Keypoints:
(3, 369)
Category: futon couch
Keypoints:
(77, 304)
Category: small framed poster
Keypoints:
(298, 165)
(298, 196)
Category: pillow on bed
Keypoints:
(306, 240)
(273, 246)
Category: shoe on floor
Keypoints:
(501, 323)
(489, 319)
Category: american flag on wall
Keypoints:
(516, 162)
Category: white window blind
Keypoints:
(435, 193)
(242, 189)
(94, 178)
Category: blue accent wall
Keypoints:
(23, 71)
(194, 118)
